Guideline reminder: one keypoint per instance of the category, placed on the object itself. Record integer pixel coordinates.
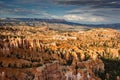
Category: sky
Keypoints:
(79, 11)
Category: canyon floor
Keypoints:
(42, 53)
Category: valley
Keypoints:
(42, 53)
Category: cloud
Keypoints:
(108, 12)
(23, 7)
(73, 10)
(16, 11)
(92, 3)
(81, 18)
(26, 1)
(84, 17)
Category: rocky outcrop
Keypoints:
(79, 54)
(49, 71)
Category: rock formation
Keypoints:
(31, 51)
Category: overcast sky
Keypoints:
(81, 11)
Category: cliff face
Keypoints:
(29, 50)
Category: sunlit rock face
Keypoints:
(49, 71)
(85, 70)
(29, 53)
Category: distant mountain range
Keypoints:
(37, 21)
